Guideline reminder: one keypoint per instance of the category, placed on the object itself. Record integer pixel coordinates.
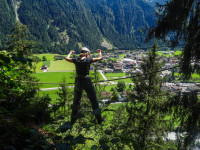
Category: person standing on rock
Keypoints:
(83, 82)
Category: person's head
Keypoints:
(85, 52)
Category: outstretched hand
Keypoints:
(99, 50)
(71, 52)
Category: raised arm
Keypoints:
(99, 57)
(68, 57)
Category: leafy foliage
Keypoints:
(44, 58)
(19, 102)
(145, 123)
(186, 111)
(121, 85)
(65, 95)
(115, 95)
(179, 19)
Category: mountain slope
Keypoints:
(7, 17)
(69, 24)
(153, 2)
(120, 21)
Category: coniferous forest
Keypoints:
(62, 25)
(149, 115)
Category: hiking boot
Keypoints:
(75, 117)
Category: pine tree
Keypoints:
(115, 95)
(44, 58)
(146, 105)
(19, 100)
(121, 85)
(65, 95)
(179, 19)
(185, 109)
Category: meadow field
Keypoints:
(163, 53)
(48, 56)
(54, 77)
(195, 77)
(52, 93)
(113, 76)
(56, 66)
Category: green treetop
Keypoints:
(146, 103)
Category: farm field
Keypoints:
(163, 53)
(121, 56)
(56, 77)
(178, 53)
(56, 66)
(108, 75)
(194, 77)
(61, 65)
(52, 93)
(112, 76)
(61, 68)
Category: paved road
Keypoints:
(56, 88)
(101, 72)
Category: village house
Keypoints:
(119, 61)
(116, 56)
(176, 89)
(139, 57)
(127, 60)
(58, 57)
(173, 60)
(166, 66)
(106, 56)
(118, 67)
(107, 70)
(139, 63)
(180, 87)
(120, 51)
(193, 88)
(99, 65)
(128, 55)
(131, 65)
(106, 95)
(44, 67)
(165, 73)
(141, 52)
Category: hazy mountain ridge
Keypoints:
(66, 24)
(153, 2)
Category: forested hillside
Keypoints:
(69, 24)
(153, 2)
(7, 17)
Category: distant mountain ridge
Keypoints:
(69, 24)
(153, 2)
